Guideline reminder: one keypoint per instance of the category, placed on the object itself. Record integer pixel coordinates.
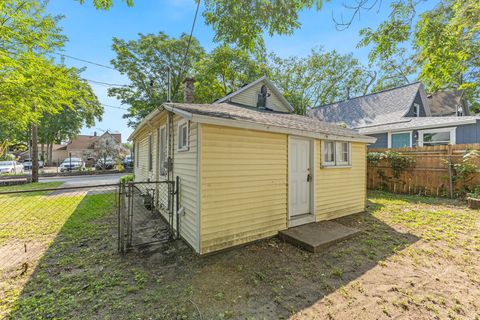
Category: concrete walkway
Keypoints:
(315, 236)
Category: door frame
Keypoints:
(309, 217)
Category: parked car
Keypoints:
(27, 164)
(105, 164)
(71, 164)
(11, 167)
(128, 162)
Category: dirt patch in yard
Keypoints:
(416, 258)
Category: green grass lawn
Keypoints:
(33, 223)
(416, 257)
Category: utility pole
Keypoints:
(34, 151)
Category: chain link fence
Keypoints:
(146, 214)
(40, 220)
(33, 221)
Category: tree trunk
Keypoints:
(42, 156)
(50, 154)
(47, 156)
(34, 153)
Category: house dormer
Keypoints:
(260, 94)
(420, 105)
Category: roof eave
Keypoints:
(145, 121)
(427, 126)
(278, 129)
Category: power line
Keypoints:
(115, 107)
(190, 37)
(86, 61)
(107, 84)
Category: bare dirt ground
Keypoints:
(416, 258)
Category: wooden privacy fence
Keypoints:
(430, 173)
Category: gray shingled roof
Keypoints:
(285, 120)
(445, 103)
(377, 108)
(416, 123)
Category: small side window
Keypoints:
(416, 110)
(163, 150)
(137, 153)
(329, 153)
(343, 153)
(182, 135)
(150, 153)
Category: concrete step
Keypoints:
(315, 236)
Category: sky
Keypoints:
(90, 34)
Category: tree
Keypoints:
(222, 71)
(68, 122)
(243, 23)
(145, 62)
(26, 34)
(320, 78)
(106, 4)
(447, 42)
(32, 86)
(444, 42)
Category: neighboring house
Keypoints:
(93, 146)
(248, 168)
(406, 117)
(58, 152)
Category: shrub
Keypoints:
(127, 178)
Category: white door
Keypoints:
(299, 176)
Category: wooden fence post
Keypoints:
(450, 177)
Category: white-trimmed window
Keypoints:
(343, 153)
(162, 156)
(436, 137)
(416, 110)
(329, 153)
(182, 134)
(336, 153)
(136, 153)
(150, 153)
(400, 139)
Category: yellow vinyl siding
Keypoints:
(185, 166)
(243, 179)
(249, 97)
(141, 143)
(341, 191)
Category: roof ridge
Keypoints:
(366, 95)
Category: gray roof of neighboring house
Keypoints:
(376, 108)
(419, 123)
(445, 103)
(285, 120)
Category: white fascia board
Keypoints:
(279, 94)
(426, 126)
(251, 84)
(277, 129)
(182, 113)
(144, 122)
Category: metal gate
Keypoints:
(146, 214)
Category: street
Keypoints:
(93, 180)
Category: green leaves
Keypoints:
(222, 71)
(145, 61)
(320, 78)
(33, 89)
(106, 4)
(243, 23)
(445, 43)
